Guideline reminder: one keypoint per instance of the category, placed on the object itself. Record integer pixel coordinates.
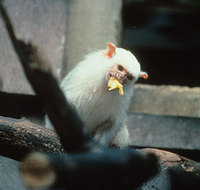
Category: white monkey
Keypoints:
(100, 88)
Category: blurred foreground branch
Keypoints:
(37, 69)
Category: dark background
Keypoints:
(164, 35)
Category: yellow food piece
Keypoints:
(114, 84)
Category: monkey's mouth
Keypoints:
(115, 84)
(117, 77)
(123, 78)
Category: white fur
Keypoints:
(85, 87)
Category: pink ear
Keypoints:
(143, 75)
(111, 50)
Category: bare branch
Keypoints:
(183, 173)
(18, 138)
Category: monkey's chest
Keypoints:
(101, 113)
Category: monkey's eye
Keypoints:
(130, 77)
(120, 68)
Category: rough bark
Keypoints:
(18, 138)
(183, 173)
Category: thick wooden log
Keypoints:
(183, 173)
(18, 138)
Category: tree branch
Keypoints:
(88, 170)
(18, 138)
(183, 173)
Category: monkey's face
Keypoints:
(120, 73)
(124, 68)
